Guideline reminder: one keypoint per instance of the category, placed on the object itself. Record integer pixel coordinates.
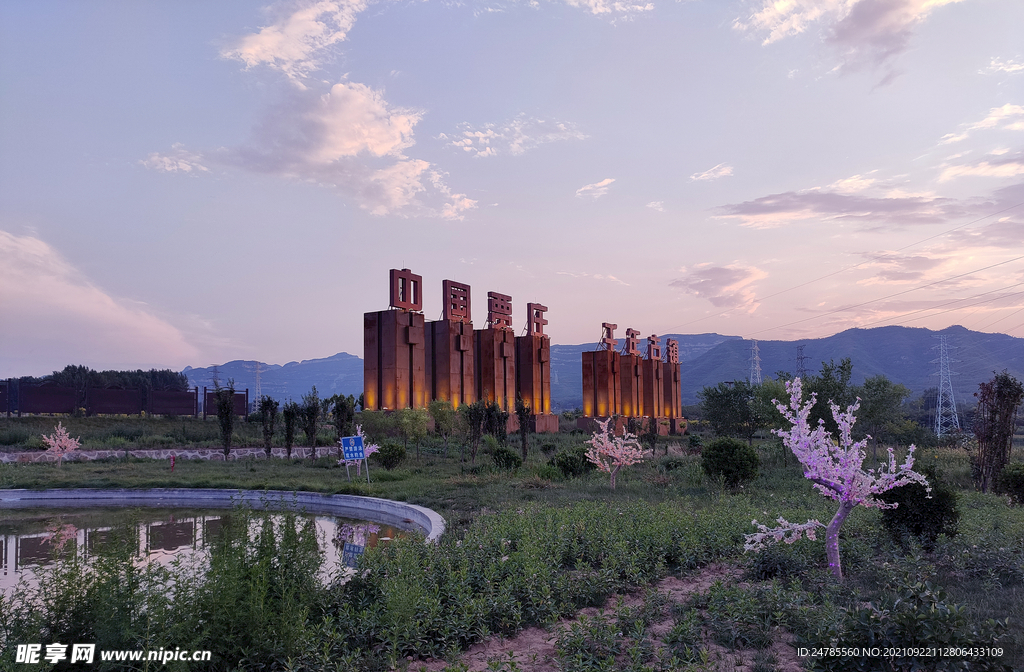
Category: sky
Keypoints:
(188, 183)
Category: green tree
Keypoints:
(343, 414)
(523, 416)
(727, 408)
(831, 384)
(994, 423)
(311, 411)
(881, 409)
(412, 426)
(447, 421)
(475, 415)
(225, 397)
(268, 417)
(290, 414)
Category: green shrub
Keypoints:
(505, 458)
(671, 463)
(546, 471)
(732, 459)
(12, 436)
(917, 617)
(1011, 482)
(572, 462)
(921, 514)
(390, 455)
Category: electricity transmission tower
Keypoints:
(801, 370)
(946, 419)
(755, 364)
(258, 391)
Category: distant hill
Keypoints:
(340, 374)
(904, 354)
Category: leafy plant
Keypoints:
(310, 413)
(523, 416)
(291, 414)
(731, 459)
(391, 455)
(225, 397)
(572, 462)
(994, 421)
(920, 513)
(505, 458)
(1011, 482)
(268, 416)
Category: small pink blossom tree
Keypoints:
(837, 471)
(610, 453)
(60, 443)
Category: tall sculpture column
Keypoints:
(653, 392)
(601, 386)
(449, 348)
(631, 375)
(533, 370)
(394, 373)
(672, 398)
(495, 354)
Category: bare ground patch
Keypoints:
(534, 649)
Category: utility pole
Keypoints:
(801, 370)
(755, 364)
(946, 419)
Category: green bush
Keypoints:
(918, 617)
(1011, 482)
(390, 455)
(921, 514)
(572, 462)
(12, 436)
(505, 458)
(671, 463)
(732, 459)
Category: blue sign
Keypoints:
(352, 447)
(350, 554)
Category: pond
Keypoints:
(29, 538)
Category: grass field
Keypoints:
(982, 568)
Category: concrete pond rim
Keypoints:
(389, 512)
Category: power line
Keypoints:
(884, 298)
(850, 268)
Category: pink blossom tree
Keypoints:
(610, 453)
(60, 443)
(837, 470)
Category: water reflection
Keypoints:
(31, 539)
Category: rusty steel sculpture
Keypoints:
(627, 384)
(409, 362)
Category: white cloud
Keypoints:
(721, 170)
(294, 43)
(851, 185)
(657, 205)
(594, 276)
(596, 190)
(1006, 168)
(723, 286)
(875, 30)
(49, 307)
(999, 65)
(995, 117)
(179, 160)
(513, 137)
(597, 7)
(351, 139)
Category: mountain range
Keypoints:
(906, 355)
